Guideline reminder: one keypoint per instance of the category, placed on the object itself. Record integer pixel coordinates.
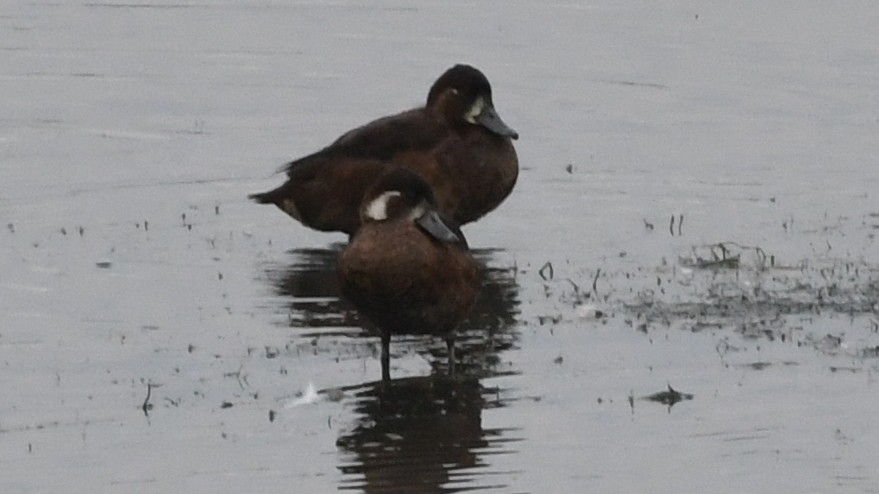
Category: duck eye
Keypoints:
(454, 91)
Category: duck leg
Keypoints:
(386, 356)
(450, 344)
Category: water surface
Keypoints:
(131, 133)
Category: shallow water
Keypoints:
(131, 133)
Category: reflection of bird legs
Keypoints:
(450, 343)
(386, 356)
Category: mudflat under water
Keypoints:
(697, 210)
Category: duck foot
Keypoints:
(386, 357)
(450, 344)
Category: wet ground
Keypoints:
(681, 292)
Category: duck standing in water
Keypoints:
(406, 270)
(457, 143)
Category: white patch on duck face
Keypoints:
(418, 211)
(377, 209)
(475, 110)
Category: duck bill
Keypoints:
(431, 223)
(489, 119)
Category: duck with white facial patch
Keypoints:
(457, 143)
(407, 270)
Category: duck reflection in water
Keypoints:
(422, 435)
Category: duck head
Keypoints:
(462, 95)
(401, 195)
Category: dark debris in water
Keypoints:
(147, 406)
(722, 255)
(738, 287)
(761, 365)
(851, 370)
(669, 397)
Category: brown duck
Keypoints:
(407, 270)
(457, 143)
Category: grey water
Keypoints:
(696, 209)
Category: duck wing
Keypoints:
(381, 139)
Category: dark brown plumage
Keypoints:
(457, 143)
(406, 270)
